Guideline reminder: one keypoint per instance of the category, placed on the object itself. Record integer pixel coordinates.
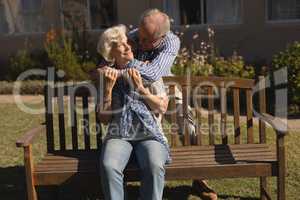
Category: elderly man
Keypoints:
(155, 49)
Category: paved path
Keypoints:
(294, 124)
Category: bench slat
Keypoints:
(48, 94)
(198, 108)
(61, 119)
(174, 130)
(73, 117)
(86, 124)
(262, 108)
(236, 114)
(185, 102)
(223, 102)
(249, 116)
(172, 173)
(211, 116)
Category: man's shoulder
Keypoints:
(133, 34)
(171, 40)
(172, 37)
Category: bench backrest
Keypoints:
(217, 104)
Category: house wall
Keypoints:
(255, 38)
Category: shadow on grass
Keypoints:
(178, 192)
(237, 197)
(12, 183)
(13, 187)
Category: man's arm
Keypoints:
(155, 99)
(161, 65)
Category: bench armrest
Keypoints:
(279, 126)
(29, 136)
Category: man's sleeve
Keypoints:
(161, 65)
(158, 88)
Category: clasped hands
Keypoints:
(111, 75)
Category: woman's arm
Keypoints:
(104, 107)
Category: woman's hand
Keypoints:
(110, 76)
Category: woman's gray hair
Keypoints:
(109, 37)
(163, 26)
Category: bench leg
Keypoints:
(28, 162)
(281, 168)
(281, 185)
(264, 195)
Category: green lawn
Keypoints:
(15, 122)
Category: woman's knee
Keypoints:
(110, 167)
(154, 168)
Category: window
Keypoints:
(21, 16)
(204, 11)
(283, 9)
(3, 22)
(31, 5)
(89, 14)
(75, 14)
(31, 11)
(102, 13)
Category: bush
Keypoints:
(27, 87)
(207, 62)
(21, 62)
(290, 58)
(62, 54)
(206, 65)
(233, 66)
(195, 62)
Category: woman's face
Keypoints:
(121, 52)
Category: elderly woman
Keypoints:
(133, 112)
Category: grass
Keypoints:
(12, 187)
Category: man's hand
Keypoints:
(136, 79)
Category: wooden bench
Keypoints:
(236, 152)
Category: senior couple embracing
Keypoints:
(132, 101)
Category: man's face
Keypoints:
(147, 39)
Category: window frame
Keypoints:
(26, 12)
(280, 21)
(88, 17)
(62, 18)
(227, 25)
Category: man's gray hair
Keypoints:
(163, 27)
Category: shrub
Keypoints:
(206, 65)
(233, 66)
(21, 62)
(64, 58)
(194, 62)
(290, 58)
(62, 54)
(27, 87)
(207, 62)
